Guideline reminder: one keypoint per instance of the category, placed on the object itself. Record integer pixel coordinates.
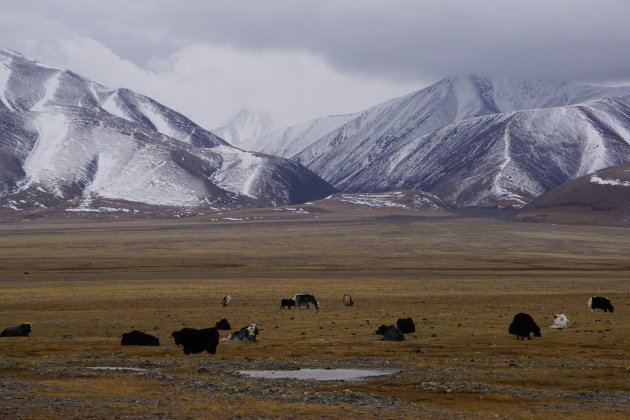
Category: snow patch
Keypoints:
(112, 105)
(609, 181)
(41, 165)
(240, 171)
(5, 75)
(51, 87)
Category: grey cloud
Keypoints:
(395, 39)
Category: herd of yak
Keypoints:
(196, 341)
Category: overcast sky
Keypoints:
(297, 60)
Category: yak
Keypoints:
(195, 341)
(390, 333)
(522, 326)
(289, 303)
(22, 330)
(305, 299)
(138, 338)
(245, 334)
(603, 303)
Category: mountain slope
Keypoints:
(341, 155)
(289, 141)
(244, 126)
(505, 159)
(66, 141)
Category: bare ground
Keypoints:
(84, 283)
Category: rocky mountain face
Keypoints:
(245, 126)
(68, 143)
(473, 140)
(505, 159)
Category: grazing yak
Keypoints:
(22, 330)
(223, 325)
(523, 325)
(245, 334)
(305, 299)
(289, 303)
(226, 300)
(560, 321)
(406, 325)
(390, 333)
(597, 302)
(195, 341)
(138, 338)
(347, 300)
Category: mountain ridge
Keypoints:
(74, 141)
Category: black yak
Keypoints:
(523, 325)
(22, 330)
(597, 302)
(390, 333)
(223, 325)
(406, 325)
(138, 338)
(289, 303)
(195, 341)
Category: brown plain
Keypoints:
(462, 279)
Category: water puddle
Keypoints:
(132, 369)
(319, 374)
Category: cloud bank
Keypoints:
(301, 59)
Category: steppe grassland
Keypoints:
(460, 279)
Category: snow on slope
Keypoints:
(505, 159)
(69, 138)
(344, 153)
(289, 141)
(5, 74)
(410, 199)
(244, 126)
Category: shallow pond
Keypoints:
(319, 374)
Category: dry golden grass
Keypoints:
(460, 279)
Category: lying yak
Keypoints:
(390, 333)
(523, 325)
(195, 341)
(597, 302)
(245, 334)
(289, 303)
(22, 330)
(305, 299)
(406, 325)
(347, 300)
(560, 321)
(138, 338)
(223, 325)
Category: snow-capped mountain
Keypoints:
(365, 153)
(243, 126)
(66, 141)
(349, 149)
(289, 141)
(505, 159)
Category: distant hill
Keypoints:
(599, 198)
